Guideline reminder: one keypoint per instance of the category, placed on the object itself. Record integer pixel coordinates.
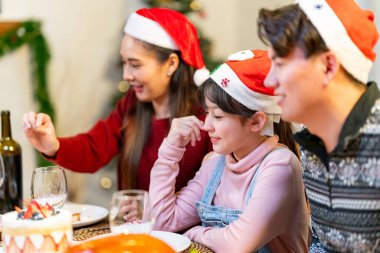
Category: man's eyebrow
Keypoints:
(132, 59)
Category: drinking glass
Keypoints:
(130, 212)
(2, 170)
(49, 185)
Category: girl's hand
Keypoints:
(184, 130)
(40, 132)
(131, 211)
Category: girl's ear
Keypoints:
(257, 121)
(173, 63)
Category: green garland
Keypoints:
(29, 33)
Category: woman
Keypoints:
(248, 195)
(159, 63)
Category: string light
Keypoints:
(123, 86)
(195, 5)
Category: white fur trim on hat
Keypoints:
(241, 55)
(201, 75)
(336, 38)
(239, 91)
(149, 31)
(268, 129)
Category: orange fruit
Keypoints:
(132, 243)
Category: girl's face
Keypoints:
(227, 132)
(148, 77)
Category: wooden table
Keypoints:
(101, 228)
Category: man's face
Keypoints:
(298, 81)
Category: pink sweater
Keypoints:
(275, 215)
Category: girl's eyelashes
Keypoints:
(216, 116)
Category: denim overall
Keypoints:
(218, 216)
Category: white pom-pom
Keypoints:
(201, 75)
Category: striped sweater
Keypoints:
(343, 186)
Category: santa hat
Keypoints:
(172, 30)
(347, 30)
(242, 77)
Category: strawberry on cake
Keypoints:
(36, 229)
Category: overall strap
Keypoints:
(256, 175)
(214, 181)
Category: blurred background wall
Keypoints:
(84, 38)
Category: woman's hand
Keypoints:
(40, 132)
(184, 130)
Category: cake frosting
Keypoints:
(52, 234)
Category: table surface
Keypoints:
(102, 227)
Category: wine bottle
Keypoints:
(11, 190)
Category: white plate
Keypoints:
(89, 214)
(178, 242)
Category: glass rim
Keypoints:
(126, 192)
(50, 168)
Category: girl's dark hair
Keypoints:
(288, 27)
(210, 90)
(137, 122)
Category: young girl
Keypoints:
(161, 53)
(248, 194)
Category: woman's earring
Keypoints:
(169, 73)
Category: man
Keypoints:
(322, 53)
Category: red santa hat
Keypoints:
(242, 77)
(347, 30)
(169, 29)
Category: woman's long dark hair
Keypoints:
(210, 90)
(137, 122)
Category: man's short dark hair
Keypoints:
(288, 27)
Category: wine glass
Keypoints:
(130, 212)
(49, 186)
(2, 170)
